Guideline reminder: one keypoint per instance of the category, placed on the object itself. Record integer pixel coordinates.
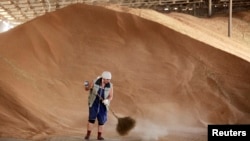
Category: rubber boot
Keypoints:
(99, 137)
(88, 135)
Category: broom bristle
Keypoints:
(124, 125)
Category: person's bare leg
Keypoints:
(90, 126)
(89, 129)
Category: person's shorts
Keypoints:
(99, 113)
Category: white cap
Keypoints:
(106, 75)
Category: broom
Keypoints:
(125, 124)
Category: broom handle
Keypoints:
(109, 107)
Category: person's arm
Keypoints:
(110, 97)
(89, 86)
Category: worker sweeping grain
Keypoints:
(98, 105)
(100, 96)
